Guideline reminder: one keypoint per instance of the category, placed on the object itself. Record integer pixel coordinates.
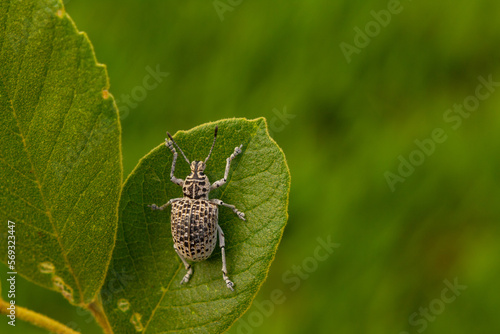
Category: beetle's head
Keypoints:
(196, 185)
(197, 176)
(197, 166)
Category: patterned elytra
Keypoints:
(194, 228)
(194, 218)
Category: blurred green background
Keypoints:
(342, 126)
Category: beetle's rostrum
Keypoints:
(194, 217)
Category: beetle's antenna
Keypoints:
(172, 139)
(213, 144)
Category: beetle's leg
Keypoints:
(241, 215)
(156, 207)
(222, 245)
(170, 145)
(188, 267)
(217, 184)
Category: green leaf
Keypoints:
(60, 159)
(142, 290)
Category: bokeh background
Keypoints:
(342, 125)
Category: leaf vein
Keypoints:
(148, 234)
(22, 199)
(17, 170)
(163, 295)
(22, 221)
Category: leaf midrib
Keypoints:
(48, 212)
(163, 296)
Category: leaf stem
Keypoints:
(37, 319)
(97, 311)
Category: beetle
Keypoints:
(194, 217)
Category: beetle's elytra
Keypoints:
(194, 217)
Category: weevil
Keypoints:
(194, 217)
